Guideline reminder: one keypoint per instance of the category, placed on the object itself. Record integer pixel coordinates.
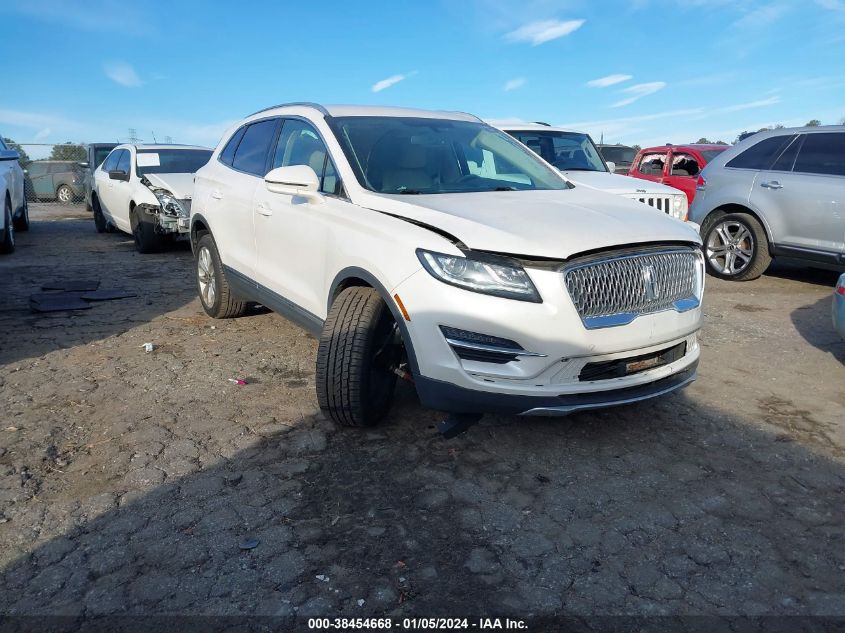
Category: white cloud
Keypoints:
(513, 84)
(109, 16)
(386, 83)
(760, 17)
(42, 134)
(123, 74)
(610, 80)
(639, 91)
(544, 31)
(760, 103)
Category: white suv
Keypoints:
(432, 246)
(580, 161)
(146, 191)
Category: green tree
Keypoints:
(813, 123)
(24, 159)
(704, 141)
(68, 151)
(636, 148)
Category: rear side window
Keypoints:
(684, 165)
(110, 163)
(822, 153)
(228, 153)
(652, 164)
(36, 169)
(251, 155)
(761, 155)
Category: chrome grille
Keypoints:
(616, 289)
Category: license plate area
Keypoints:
(621, 367)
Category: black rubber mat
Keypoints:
(56, 302)
(76, 285)
(107, 294)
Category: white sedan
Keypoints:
(15, 216)
(146, 191)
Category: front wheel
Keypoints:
(64, 194)
(100, 222)
(736, 247)
(212, 284)
(8, 244)
(360, 350)
(21, 223)
(147, 239)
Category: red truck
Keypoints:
(675, 165)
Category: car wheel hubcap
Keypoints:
(205, 276)
(730, 247)
(64, 195)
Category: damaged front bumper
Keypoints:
(171, 214)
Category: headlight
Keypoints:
(481, 273)
(168, 203)
(679, 206)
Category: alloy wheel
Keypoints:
(205, 276)
(64, 194)
(730, 247)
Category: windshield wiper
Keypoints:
(579, 169)
(409, 192)
(505, 188)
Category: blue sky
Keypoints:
(640, 71)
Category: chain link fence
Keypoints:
(54, 173)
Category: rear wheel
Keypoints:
(736, 247)
(64, 194)
(100, 222)
(212, 284)
(360, 350)
(147, 239)
(8, 244)
(21, 223)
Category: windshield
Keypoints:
(171, 161)
(403, 155)
(619, 154)
(710, 154)
(568, 151)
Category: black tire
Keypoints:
(8, 244)
(21, 223)
(100, 222)
(64, 194)
(147, 239)
(222, 304)
(359, 349)
(735, 247)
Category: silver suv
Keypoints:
(777, 193)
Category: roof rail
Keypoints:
(307, 104)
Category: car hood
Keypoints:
(553, 224)
(617, 183)
(180, 185)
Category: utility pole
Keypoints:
(168, 140)
(133, 135)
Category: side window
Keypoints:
(299, 144)
(228, 153)
(652, 164)
(251, 154)
(110, 164)
(786, 160)
(762, 154)
(684, 165)
(123, 163)
(822, 153)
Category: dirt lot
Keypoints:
(129, 480)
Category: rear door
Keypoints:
(806, 187)
(651, 166)
(683, 170)
(42, 181)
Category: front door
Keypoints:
(107, 188)
(651, 167)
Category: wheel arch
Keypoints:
(355, 276)
(198, 225)
(732, 207)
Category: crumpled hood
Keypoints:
(554, 224)
(617, 183)
(180, 185)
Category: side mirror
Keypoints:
(9, 154)
(611, 166)
(119, 174)
(84, 165)
(295, 180)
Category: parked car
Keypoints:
(575, 154)
(97, 153)
(839, 306)
(54, 180)
(146, 191)
(15, 216)
(622, 156)
(433, 246)
(779, 193)
(675, 165)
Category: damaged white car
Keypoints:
(146, 191)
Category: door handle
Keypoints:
(216, 195)
(260, 208)
(772, 184)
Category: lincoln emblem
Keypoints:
(652, 289)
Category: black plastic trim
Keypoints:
(806, 254)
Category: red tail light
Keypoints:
(840, 290)
(700, 184)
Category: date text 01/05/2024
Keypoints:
(413, 624)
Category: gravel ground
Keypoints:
(129, 481)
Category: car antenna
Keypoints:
(154, 136)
